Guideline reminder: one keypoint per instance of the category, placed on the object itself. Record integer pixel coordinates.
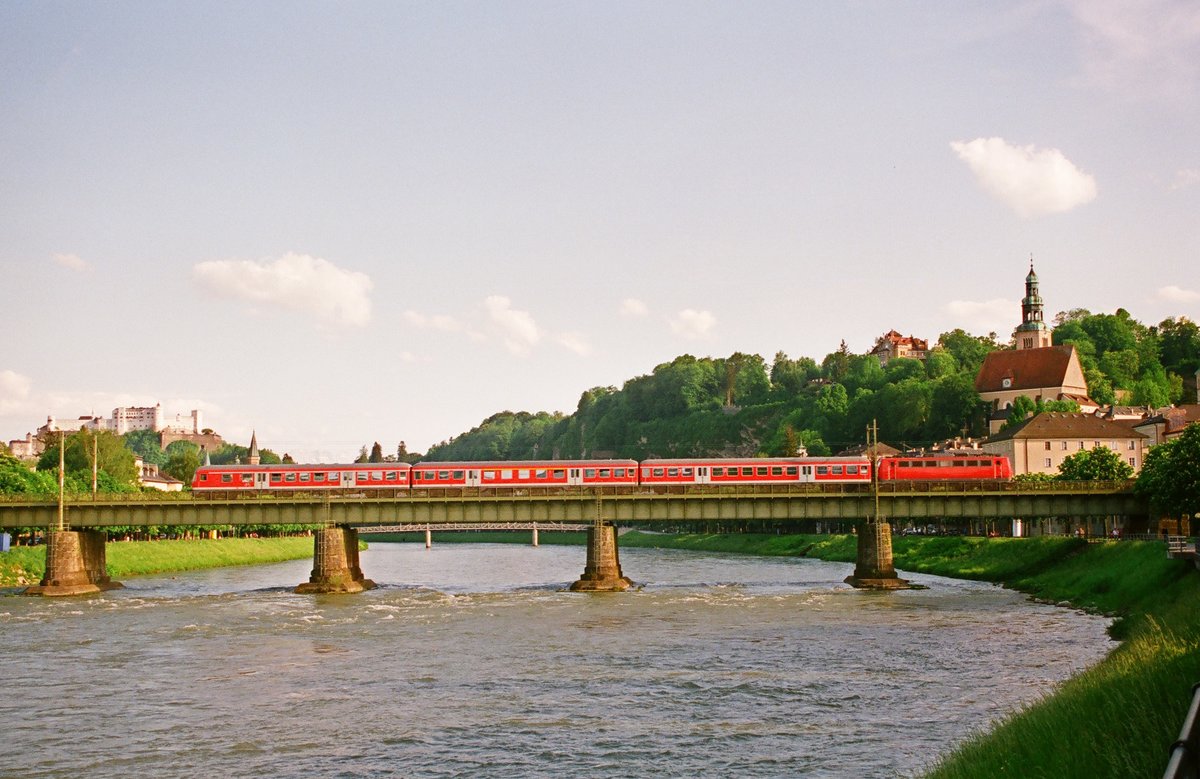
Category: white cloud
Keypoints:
(1178, 294)
(632, 307)
(296, 282)
(517, 328)
(989, 316)
(1141, 47)
(72, 261)
(14, 391)
(435, 322)
(576, 342)
(691, 323)
(1186, 178)
(1030, 181)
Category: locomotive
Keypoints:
(545, 474)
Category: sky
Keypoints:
(341, 223)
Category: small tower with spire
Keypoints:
(252, 457)
(1032, 333)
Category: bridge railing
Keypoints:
(1184, 762)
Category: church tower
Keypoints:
(252, 456)
(1032, 333)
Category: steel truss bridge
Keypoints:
(476, 507)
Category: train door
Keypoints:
(574, 476)
(702, 475)
(472, 477)
(806, 473)
(262, 480)
(348, 480)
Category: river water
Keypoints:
(471, 660)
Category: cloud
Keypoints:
(517, 328)
(692, 324)
(295, 282)
(1149, 47)
(72, 261)
(435, 322)
(576, 342)
(14, 391)
(1178, 294)
(632, 307)
(989, 316)
(1030, 181)
(1185, 178)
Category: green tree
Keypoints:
(183, 458)
(1097, 464)
(17, 478)
(112, 456)
(969, 351)
(376, 455)
(1170, 475)
(362, 455)
(146, 444)
(1021, 409)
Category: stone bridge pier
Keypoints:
(874, 569)
(602, 573)
(335, 563)
(75, 564)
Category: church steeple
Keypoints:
(252, 457)
(1032, 333)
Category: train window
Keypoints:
(376, 476)
(247, 478)
(489, 475)
(672, 471)
(389, 476)
(605, 473)
(837, 470)
(688, 472)
(718, 471)
(822, 470)
(458, 475)
(776, 470)
(559, 473)
(808, 470)
(945, 463)
(318, 477)
(852, 470)
(792, 470)
(747, 471)
(443, 475)
(305, 476)
(589, 473)
(506, 474)
(761, 470)
(227, 478)
(276, 478)
(523, 474)
(540, 473)
(658, 471)
(289, 477)
(618, 473)
(905, 464)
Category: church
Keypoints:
(1035, 368)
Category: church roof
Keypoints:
(1026, 369)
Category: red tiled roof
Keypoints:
(1056, 424)
(1028, 369)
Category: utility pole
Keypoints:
(62, 480)
(95, 462)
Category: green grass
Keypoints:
(26, 564)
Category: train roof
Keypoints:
(524, 463)
(753, 460)
(303, 466)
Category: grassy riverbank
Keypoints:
(25, 565)
(1118, 718)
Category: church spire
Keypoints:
(252, 457)
(1032, 333)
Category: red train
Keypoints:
(357, 477)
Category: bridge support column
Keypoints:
(335, 563)
(75, 564)
(602, 573)
(535, 538)
(874, 569)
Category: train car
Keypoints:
(972, 467)
(523, 473)
(755, 470)
(300, 478)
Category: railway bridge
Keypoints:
(75, 539)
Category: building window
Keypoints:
(1081, 445)
(1131, 445)
(1133, 462)
(1064, 446)
(1047, 446)
(1048, 465)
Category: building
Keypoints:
(1032, 333)
(150, 477)
(129, 418)
(26, 448)
(1042, 442)
(1168, 423)
(1048, 373)
(892, 345)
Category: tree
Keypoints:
(1021, 409)
(1097, 464)
(1170, 476)
(112, 456)
(183, 458)
(362, 455)
(146, 444)
(376, 454)
(17, 478)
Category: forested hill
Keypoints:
(741, 405)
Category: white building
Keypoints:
(129, 418)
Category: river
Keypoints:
(471, 660)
